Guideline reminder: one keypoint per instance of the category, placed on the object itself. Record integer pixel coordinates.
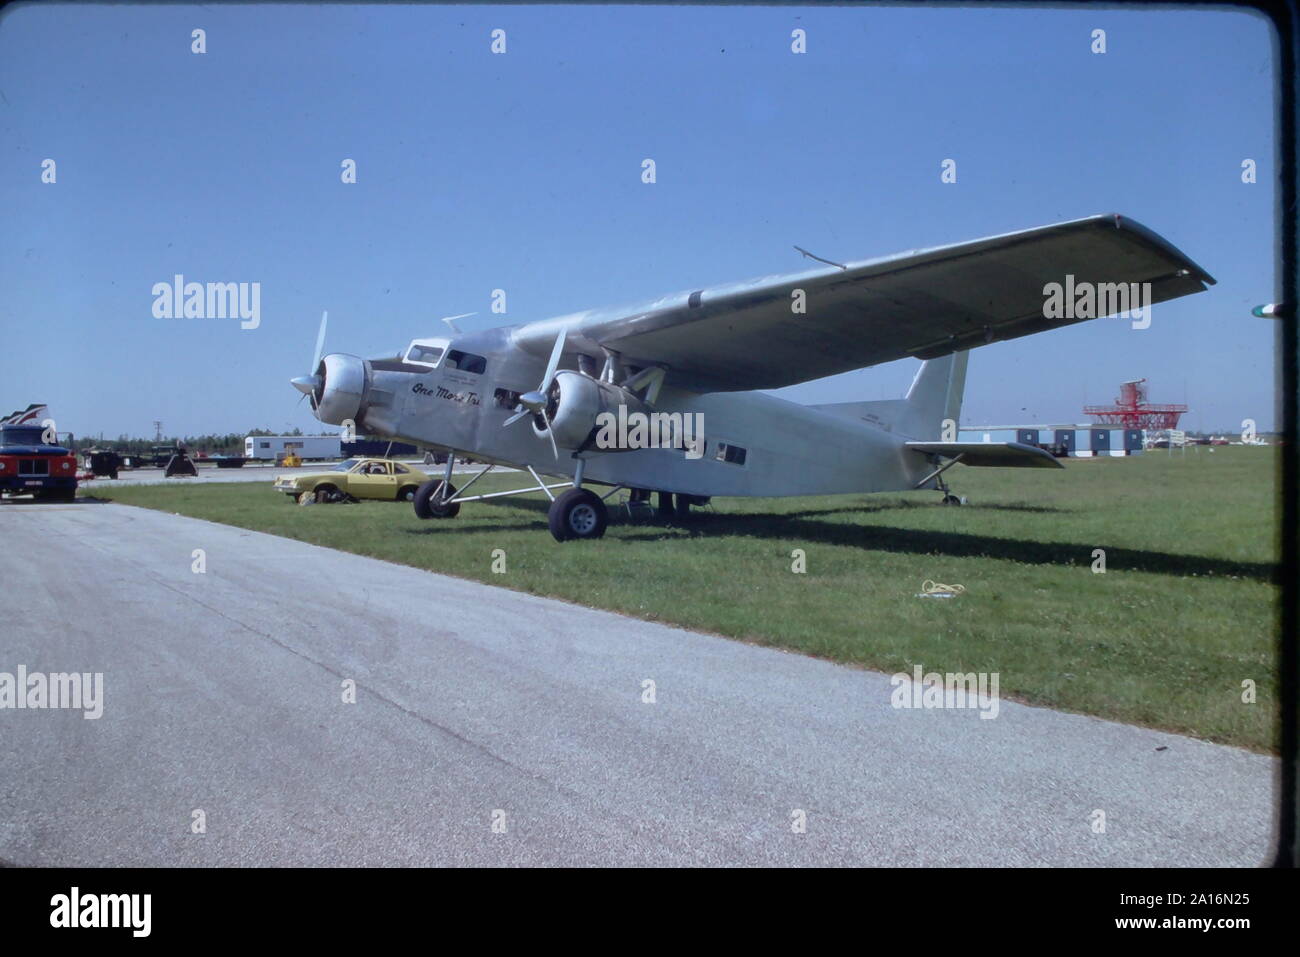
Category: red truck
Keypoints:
(31, 466)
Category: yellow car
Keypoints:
(353, 480)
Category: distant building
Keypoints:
(1064, 441)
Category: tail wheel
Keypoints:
(577, 513)
(431, 502)
(407, 493)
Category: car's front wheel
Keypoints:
(328, 494)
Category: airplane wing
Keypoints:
(994, 454)
(925, 304)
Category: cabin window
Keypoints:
(400, 469)
(730, 453)
(466, 362)
(426, 354)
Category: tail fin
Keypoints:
(935, 396)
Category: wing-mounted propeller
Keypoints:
(535, 403)
(310, 385)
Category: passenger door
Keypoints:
(373, 480)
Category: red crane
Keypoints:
(1132, 411)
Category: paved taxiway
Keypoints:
(248, 473)
(223, 693)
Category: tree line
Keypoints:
(230, 443)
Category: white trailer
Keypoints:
(307, 447)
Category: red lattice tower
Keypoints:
(1132, 411)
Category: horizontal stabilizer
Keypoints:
(997, 454)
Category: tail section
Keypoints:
(935, 396)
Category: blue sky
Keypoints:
(522, 171)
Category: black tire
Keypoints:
(577, 514)
(328, 495)
(407, 493)
(426, 502)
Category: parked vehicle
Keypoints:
(353, 480)
(29, 466)
(268, 448)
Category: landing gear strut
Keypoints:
(433, 499)
(941, 485)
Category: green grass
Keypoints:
(1183, 614)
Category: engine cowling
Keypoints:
(342, 389)
(573, 403)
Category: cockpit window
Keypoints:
(466, 362)
(426, 354)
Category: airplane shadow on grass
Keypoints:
(803, 527)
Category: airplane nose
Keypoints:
(306, 384)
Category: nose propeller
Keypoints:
(306, 384)
(534, 403)
(309, 384)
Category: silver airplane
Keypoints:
(563, 397)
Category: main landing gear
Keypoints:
(433, 499)
(578, 513)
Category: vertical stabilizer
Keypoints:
(935, 397)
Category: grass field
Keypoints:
(1182, 615)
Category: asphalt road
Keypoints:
(223, 693)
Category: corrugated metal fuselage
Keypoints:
(789, 449)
